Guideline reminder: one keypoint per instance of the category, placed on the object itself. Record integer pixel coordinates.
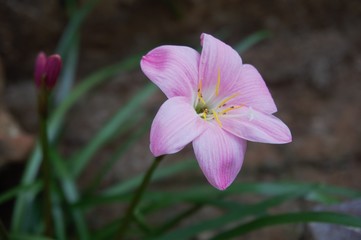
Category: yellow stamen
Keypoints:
(204, 115)
(230, 109)
(218, 82)
(216, 118)
(227, 99)
(200, 97)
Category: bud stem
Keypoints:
(136, 198)
(46, 166)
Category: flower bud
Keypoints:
(47, 70)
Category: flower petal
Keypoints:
(174, 69)
(220, 155)
(39, 72)
(253, 91)
(256, 126)
(218, 61)
(175, 125)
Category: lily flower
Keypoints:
(214, 101)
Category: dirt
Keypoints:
(312, 64)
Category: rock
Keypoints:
(14, 143)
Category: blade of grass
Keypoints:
(12, 193)
(59, 221)
(236, 214)
(87, 84)
(119, 192)
(161, 173)
(107, 132)
(71, 194)
(171, 223)
(108, 231)
(28, 237)
(158, 200)
(131, 140)
(67, 77)
(74, 25)
(287, 218)
(251, 40)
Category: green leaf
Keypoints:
(124, 114)
(70, 193)
(158, 200)
(120, 191)
(236, 214)
(107, 231)
(67, 76)
(251, 40)
(131, 140)
(159, 174)
(13, 192)
(74, 25)
(58, 215)
(287, 218)
(28, 237)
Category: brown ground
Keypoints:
(312, 64)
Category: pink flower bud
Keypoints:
(52, 70)
(47, 70)
(40, 64)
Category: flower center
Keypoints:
(210, 112)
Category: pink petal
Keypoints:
(218, 60)
(52, 70)
(39, 69)
(220, 155)
(174, 69)
(253, 91)
(175, 125)
(256, 126)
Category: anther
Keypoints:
(216, 118)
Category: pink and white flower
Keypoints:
(214, 101)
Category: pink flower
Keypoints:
(47, 70)
(214, 101)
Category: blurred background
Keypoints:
(311, 61)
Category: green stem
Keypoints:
(46, 168)
(136, 198)
(3, 233)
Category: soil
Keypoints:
(311, 63)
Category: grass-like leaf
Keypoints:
(234, 215)
(28, 237)
(251, 40)
(120, 191)
(131, 140)
(200, 194)
(70, 193)
(124, 114)
(287, 218)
